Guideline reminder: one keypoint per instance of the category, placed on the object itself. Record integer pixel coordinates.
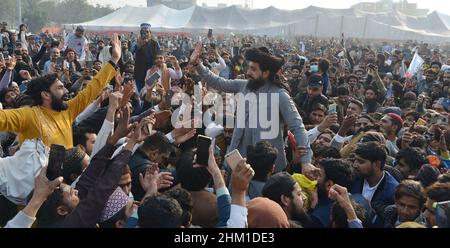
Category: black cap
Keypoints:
(315, 80)
(80, 28)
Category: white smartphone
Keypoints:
(233, 158)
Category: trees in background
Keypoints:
(38, 13)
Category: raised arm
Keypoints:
(214, 81)
(103, 77)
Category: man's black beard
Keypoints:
(59, 104)
(255, 84)
(371, 102)
(227, 141)
(301, 217)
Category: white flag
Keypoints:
(416, 63)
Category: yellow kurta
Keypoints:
(56, 126)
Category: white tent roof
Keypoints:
(314, 21)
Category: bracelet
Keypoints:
(113, 64)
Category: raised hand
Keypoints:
(114, 99)
(195, 57)
(123, 128)
(128, 91)
(329, 120)
(43, 187)
(116, 49)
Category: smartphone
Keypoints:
(60, 63)
(213, 46)
(421, 122)
(233, 158)
(150, 82)
(210, 33)
(203, 144)
(55, 161)
(332, 108)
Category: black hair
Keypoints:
(439, 192)
(24, 100)
(278, 185)
(79, 136)
(160, 212)
(186, 202)
(37, 85)
(342, 91)
(4, 92)
(157, 141)
(111, 222)
(372, 151)
(326, 152)
(324, 65)
(261, 157)
(339, 217)
(436, 63)
(47, 213)
(71, 169)
(337, 171)
(412, 189)
(412, 156)
(191, 179)
(375, 90)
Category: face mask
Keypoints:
(314, 68)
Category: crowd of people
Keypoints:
(362, 141)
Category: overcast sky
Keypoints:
(440, 5)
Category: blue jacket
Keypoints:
(320, 216)
(383, 196)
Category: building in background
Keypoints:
(388, 5)
(174, 4)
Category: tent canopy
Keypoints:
(320, 22)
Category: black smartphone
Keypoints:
(60, 63)
(210, 33)
(55, 161)
(203, 144)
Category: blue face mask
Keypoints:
(314, 68)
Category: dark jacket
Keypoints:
(383, 196)
(391, 220)
(144, 59)
(320, 216)
(305, 103)
(138, 164)
(95, 187)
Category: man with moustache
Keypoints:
(262, 79)
(52, 117)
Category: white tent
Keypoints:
(320, 22)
